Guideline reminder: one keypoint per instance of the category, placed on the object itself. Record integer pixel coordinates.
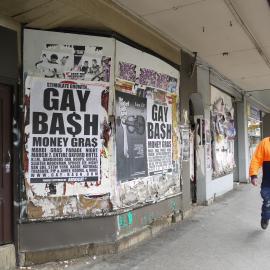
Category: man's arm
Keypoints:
(256, 163)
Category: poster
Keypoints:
(65, 130)
(127, 71)
(159, 132)
(208, 157)
(131, 113)
(185, 144)
(223, 133)
(73, 62)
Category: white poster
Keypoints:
(64, 130)
(223, 133)
(159, 132)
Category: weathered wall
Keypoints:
(204, 172)
(207, 186)
(54, 198)
(164, 180)
(50, 199)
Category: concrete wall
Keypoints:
(122, 184)
(204, 175)
(207, 187)
(242, 139)
(219, 186)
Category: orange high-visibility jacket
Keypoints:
(261, 158)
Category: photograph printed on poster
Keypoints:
(131, 113)
(172, 85)
(55, 61)
(73, 62)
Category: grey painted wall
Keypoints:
(203, 175)
(63, 233)
(242, 141)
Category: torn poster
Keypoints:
(74, 62)
(65, 130)
(131, 136)
(159, 132)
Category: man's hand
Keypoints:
(254, 180)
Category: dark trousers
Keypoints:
(265, 193)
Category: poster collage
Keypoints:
(146, 119)
(223, 133)
(66, 120)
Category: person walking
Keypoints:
(261, 158)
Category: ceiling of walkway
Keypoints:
(231, 35)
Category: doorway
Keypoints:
(6, 212)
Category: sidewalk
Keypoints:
(225, 235)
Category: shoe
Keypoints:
(264, 224)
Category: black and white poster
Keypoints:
(73, 62)
(64, 132)
(159, 133)
(131, 114)
(185, 143)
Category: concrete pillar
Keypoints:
(188, 86)
(242, 139)
(204, 175)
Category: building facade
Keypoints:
(106, 141)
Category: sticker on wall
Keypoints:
(65, 130)
(131, 113)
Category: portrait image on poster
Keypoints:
(131, 114)
(65, 125)
(159, 133)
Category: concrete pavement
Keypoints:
(225, 235)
